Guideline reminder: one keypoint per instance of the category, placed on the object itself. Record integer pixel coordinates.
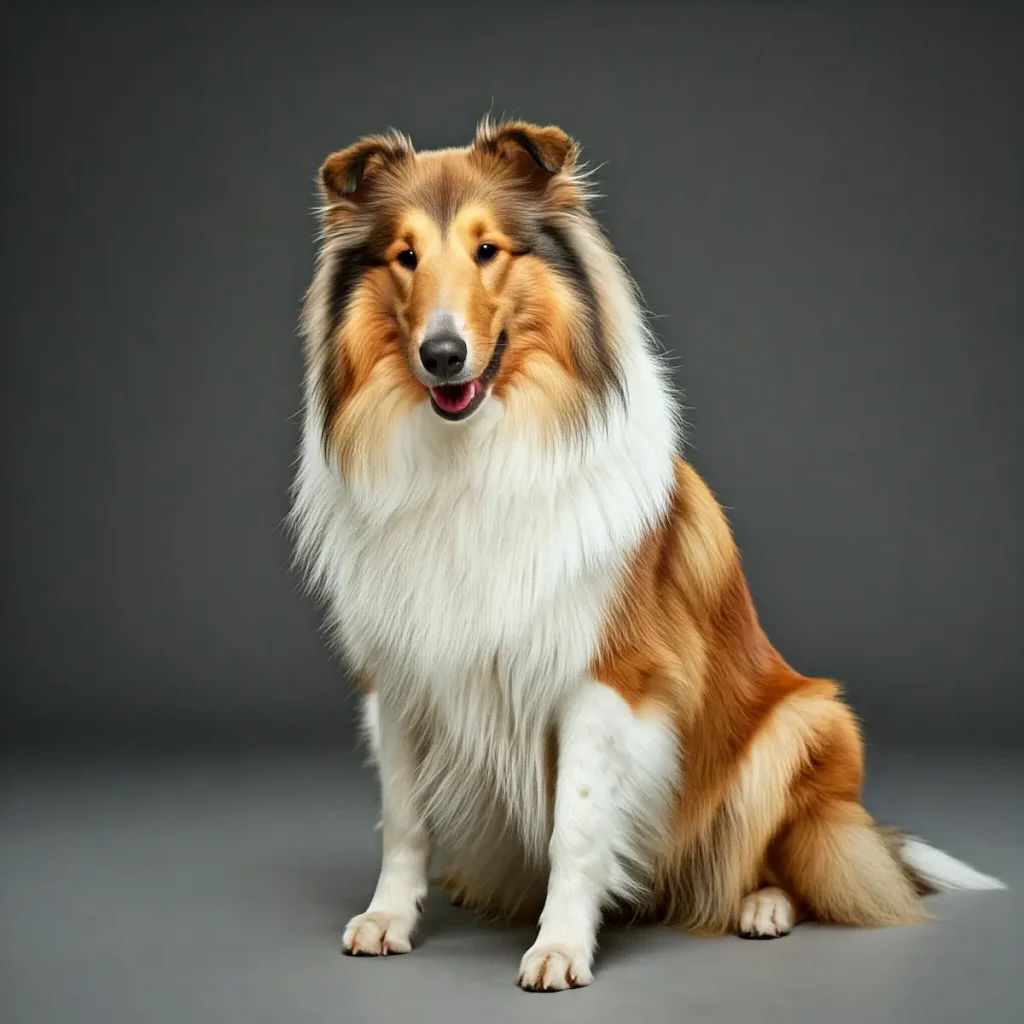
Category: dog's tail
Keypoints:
(850, 870)
(932, 870)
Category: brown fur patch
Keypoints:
(771, 760)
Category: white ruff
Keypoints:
(472, 579)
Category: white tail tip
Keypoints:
(942, 871)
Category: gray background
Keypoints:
(824, 206)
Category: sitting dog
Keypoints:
(572, 705)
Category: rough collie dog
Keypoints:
(572, 706)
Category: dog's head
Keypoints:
(456, 278)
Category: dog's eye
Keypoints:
(486, 252)
(407, 259)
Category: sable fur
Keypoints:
(476, 574)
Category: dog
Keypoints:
(573, 709)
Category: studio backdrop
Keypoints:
(822, 205)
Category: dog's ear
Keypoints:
(346, 174)
(536, 155)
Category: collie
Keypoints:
(571, 703)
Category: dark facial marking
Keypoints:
(350, 267)
(590, 349)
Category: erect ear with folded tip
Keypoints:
(537, 155)
(347, 174)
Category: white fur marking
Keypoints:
(615, 772)
(943, 871)
(766, 914)
(389, 921)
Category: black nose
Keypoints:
(443, 355)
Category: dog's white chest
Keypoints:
(437, 594)
(469, 562)
(473, 581)
(476, 608)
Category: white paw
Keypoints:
(766, 914)
(378, 933)
(552, 968)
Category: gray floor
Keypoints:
(216, 892)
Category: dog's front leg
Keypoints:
(590, 823)
(388, 923)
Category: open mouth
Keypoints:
(457, 401)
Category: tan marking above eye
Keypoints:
(476, 225)
(399, 246)
(414, 231)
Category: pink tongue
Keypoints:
(453, 398)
